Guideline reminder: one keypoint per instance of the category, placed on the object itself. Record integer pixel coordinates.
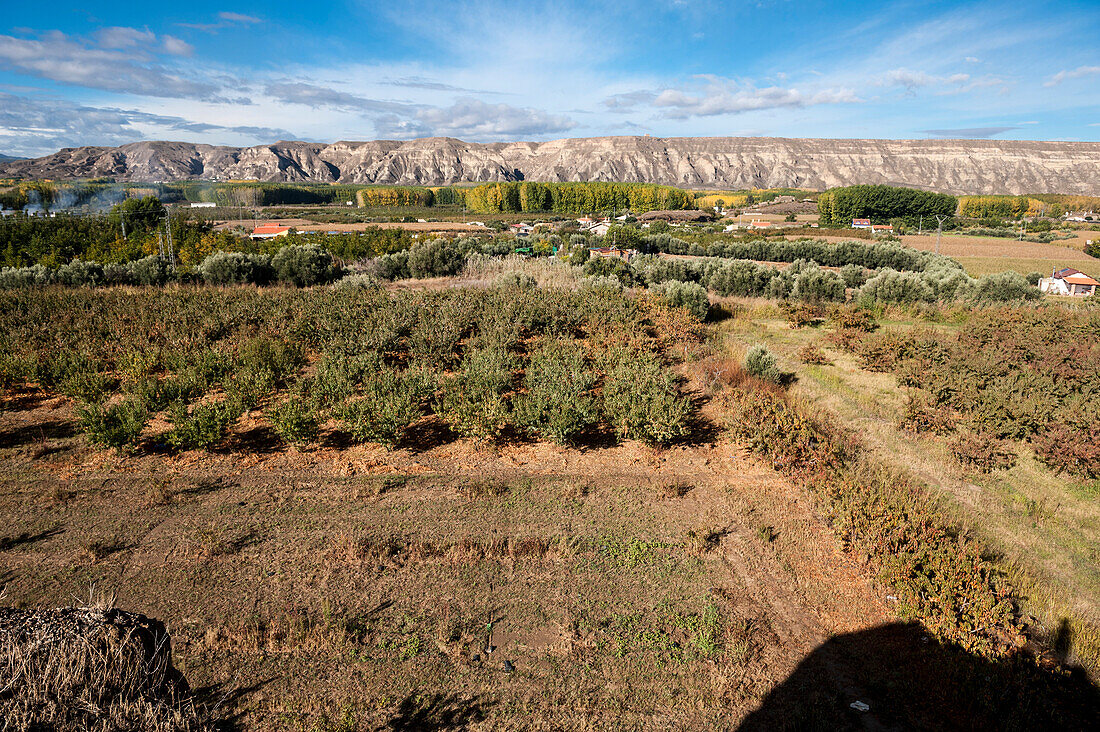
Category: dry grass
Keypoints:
(1046, 528)
(65, 672)
(989, 255)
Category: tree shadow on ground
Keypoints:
(437, 712)
(217, 698)
(10, 542)
(426, 435)
(41, 432)
(907, 680)
(700, 430)
(260, 440)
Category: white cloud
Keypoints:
(175, 46)
(118, 37)
(722, 96)
(32, 126)
(1077, 73)
(475, 120)
(69, 60)
(239, 18)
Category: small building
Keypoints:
(1070, 282)
(760, 224)
(269, 231)
(203, 204)
(613, 253)
(521, 229)
(598, 229)
(861, 223)
(882, 228)
(1082, 216)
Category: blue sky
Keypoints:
(245, 73)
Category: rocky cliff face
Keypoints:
(953, 166)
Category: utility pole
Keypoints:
(171, 248)
(920, 226)
(939, 231)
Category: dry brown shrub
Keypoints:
(812, 354)
(983, 452)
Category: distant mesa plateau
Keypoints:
(950, 166)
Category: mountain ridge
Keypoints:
(950, 166)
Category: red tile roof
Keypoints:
(270, 229)
(1080, 279)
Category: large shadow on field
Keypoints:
(909, 681)
(437, 712)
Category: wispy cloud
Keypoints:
(297, 92)
(913, 80)
(475, 120)
(678, 105)
(720, 96)
(969, 133)
(1079, 72)
(225, 20)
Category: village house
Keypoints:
(599, 228)
(613, 253)
(882, 229)
(861, 223)
(1082, 216)
(269, 231)
(1070, 282)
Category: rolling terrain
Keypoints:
(952, 166)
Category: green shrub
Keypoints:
(235, 268)
(117, 426)
(814, 284)
(391, 402)
(15, 278)
(642, 400)
(474, 402)
(152, 270)
(265, 353)
(89, 385)
(201, 426)
(853, 275)
(761, 363)
(516, 280)
(293, 420)
(436, 258)
(558, 403)
(357, 283)
(79, 274)
(688, 295)
(304, 265)
(245, 388)
(1003, 287)
(892, 286)
(337, 377)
